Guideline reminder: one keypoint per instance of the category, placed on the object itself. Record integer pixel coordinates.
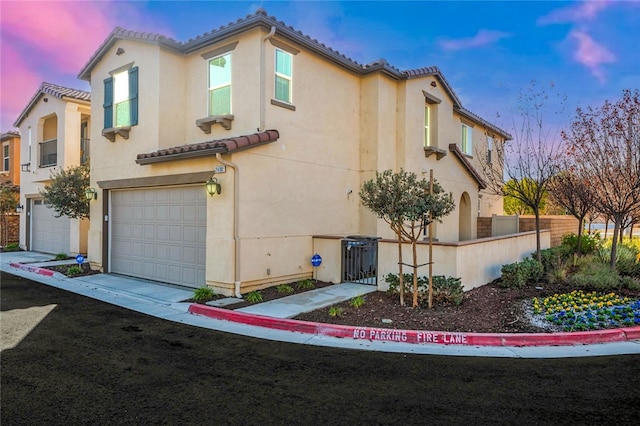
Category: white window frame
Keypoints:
(121, 96)
(490, 143)
(6, 160)
(427, 125)
(289, 78)
(466, 143)
(220, 86)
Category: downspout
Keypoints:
(262, 79)
(236, 234)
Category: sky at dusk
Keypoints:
(488, 51)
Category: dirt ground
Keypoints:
(88, 362)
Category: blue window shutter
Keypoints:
(108, 103)
(133, 95)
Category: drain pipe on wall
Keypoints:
(236, 217)
(262, 79)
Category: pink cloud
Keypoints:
(591, 54)
(577, 12)
(17, 85)
(60, 33)
(482, 38)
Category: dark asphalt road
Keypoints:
(92, 363)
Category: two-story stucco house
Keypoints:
(55, 127)
(289, 129)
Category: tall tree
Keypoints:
(529, 159)
(65, 194)
(408, 205)
(570, 192)
(604, 143)
(8, 202)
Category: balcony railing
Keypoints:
(49, 153)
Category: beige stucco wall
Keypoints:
(344, 128)
(475, 262)
(55, 119)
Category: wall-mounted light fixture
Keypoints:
(213, 187)
(91, 194)
(19, 208)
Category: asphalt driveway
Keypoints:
(87, 362)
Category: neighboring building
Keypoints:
(55, 127)
(10, 167)
(291, 129)
(9, 179)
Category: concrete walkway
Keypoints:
(269, 320)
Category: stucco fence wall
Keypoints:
(9, 229)
(476, 262)
(559, 226)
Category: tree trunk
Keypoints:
(580, 224)
(536, 211)
(415, 273)
(614, 242)
(631, 232)
(400, 274)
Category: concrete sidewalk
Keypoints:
(269, 320)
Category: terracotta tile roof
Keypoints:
(261, 19)
(59, 92)
(202, 149)
(467, 164)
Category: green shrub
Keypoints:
(62, 256)
(74, 270)
(554, 256)
(596, 276)
(446, 290)
(590, 242)
(356, 302)
(631, 283)
(335, 311)
(517, 275)
(12, 247)
(284, 289)
(305, 285)
(394, 283)
(203, 294)
(254, 297)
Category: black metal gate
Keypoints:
(360, 260)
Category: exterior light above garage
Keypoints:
(91, 194)
(213, 187)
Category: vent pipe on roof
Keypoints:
(262, 79)
(236, 219)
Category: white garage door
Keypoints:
(160, 234)
(49, 234)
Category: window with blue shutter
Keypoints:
(133, 96)
(108, 103)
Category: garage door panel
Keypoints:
(49, 234)
(160, 234)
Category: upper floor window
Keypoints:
(427, 126)
(467, 140)
(220, 85)
(284, 76)
(489, 149)
(121, 99)
(5, 157)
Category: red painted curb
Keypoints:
(418, 336)
(37, 270)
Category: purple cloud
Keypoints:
(577, 12)
(482, 38)
(591, 54)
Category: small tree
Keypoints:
(529, 159)
(408, 205)
(65, 194)
(570, 192)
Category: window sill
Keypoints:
(429, 150)
(111, 132)
(283, 104)
(206, 123)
